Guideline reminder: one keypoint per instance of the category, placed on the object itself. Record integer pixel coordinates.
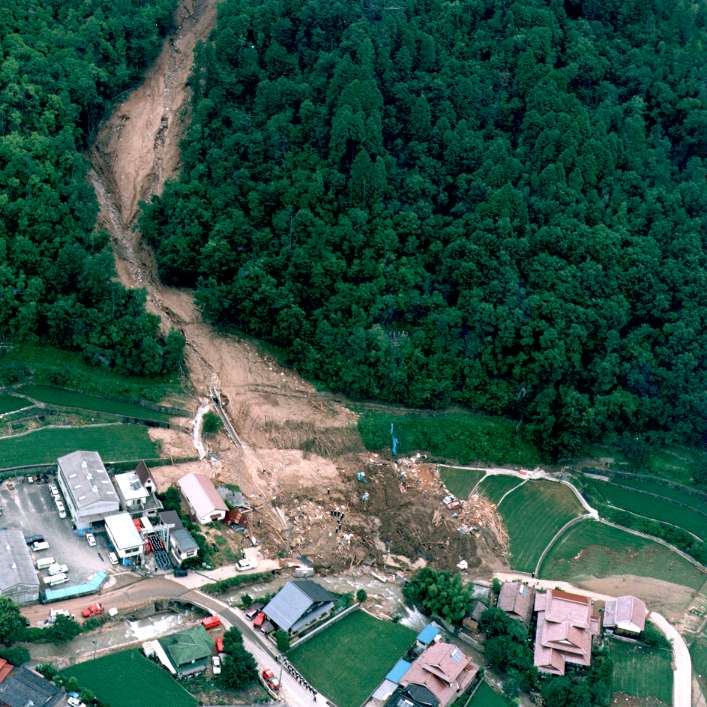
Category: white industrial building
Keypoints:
(125, 537)
(86, 487)
(18, 578)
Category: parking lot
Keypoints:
(31, 508)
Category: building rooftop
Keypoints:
(16, 566)
(25, 688)
(202, 494)
(187, 646)
(123, 531)
(626, 613)
(428, 634)
(86, 479)
(294, 600)
(516, 599)
(130, 486)
(184, 540)
(398, 671)
(171, 518)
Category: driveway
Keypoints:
(682, 664)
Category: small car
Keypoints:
(270, 679)
(93, 610)
(181, 571)
(30, 479)
(112, 558)
(244, 565)
(31, 539)
(91, 539)
(216, 664)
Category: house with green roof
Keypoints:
(188, 651)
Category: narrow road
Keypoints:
(682, 664)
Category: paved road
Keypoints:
(682, 664)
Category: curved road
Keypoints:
(682, 664)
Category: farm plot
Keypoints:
(73, 399)
(496, 486)
(348, 660)
(10, 403)
(593, 549)
(113, 442)
(460, 482)
(662, 509)
(128, 679)
(486, 696)
(533, 514)
(642, 672)
(689, 497)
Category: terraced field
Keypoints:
(592, 549)
(495, 486)
(642, 672)
(9, 403)
(533, 514)
(694, 499)
(460, 481)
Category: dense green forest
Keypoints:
(61, 63)
(495, 203)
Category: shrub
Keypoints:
(282, 639)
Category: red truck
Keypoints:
(210, 622)
(219, 644)
(93, 610)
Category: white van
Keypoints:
(44, 562)
(56, 568)
(56, 579)
(39, 546)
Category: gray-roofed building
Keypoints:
(87, 488)
(25, 688)
(171, 519)
(298, 605)
(182, 545)
(233, 499)
(18, 578)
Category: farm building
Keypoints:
(625, 615)
(566, 627)
(444, 670)
(516, 599)
(204, 503)
(188, 652)
(299, 604)
(87, 488)
(20, 687)
(18, 578)
(182, 545)
(125, 537)
(136, 499)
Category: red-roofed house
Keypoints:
(444, 670)
(566, 626)
(625, 614)
(516, 599)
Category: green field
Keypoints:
(698, 653)
(533, 513)
(460, 481)
(113, 442)
(8, 403)
(640, 671)
(348, 660)
(592, 549)
(495, 486)
(486, 696)
(463, 437)
(128, 679)
(631, 499)
(698, 501)
(84, 401)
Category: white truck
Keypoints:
(44, 562)
(56, 568)
(39, 546)
(54, 579)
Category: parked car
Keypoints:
(43, 562)
(62, 513)
(181, 571)
(56, 568)
(93, 610)
(31, 539)
(54, 579)
(216, 665)
(210, 622)
(245, 564)
(252, 610)
(219, 644)
(30, 479)
(112, 558)
(40, 545)
(270, 680)
(91, 539)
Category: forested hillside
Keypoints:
(61, 63)
(498, 204)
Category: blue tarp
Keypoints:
(76, 590)
(428, 634)
(398, 671)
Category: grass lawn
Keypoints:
(8, 403)
(74, 399)
(698, 653)
(486, 696)
(494, 486)
(128, 679)
(640, 671)
(631, 499)
(112, 442)
(592, 549)
(533, 513)
(348, 660)
(463, 437)
(460, 481)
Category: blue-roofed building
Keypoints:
(428, 635)
(398, 671)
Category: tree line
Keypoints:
(62, 62)
(499, 205)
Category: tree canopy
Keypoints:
(499, 205)
(62, 62)
(439, 592)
